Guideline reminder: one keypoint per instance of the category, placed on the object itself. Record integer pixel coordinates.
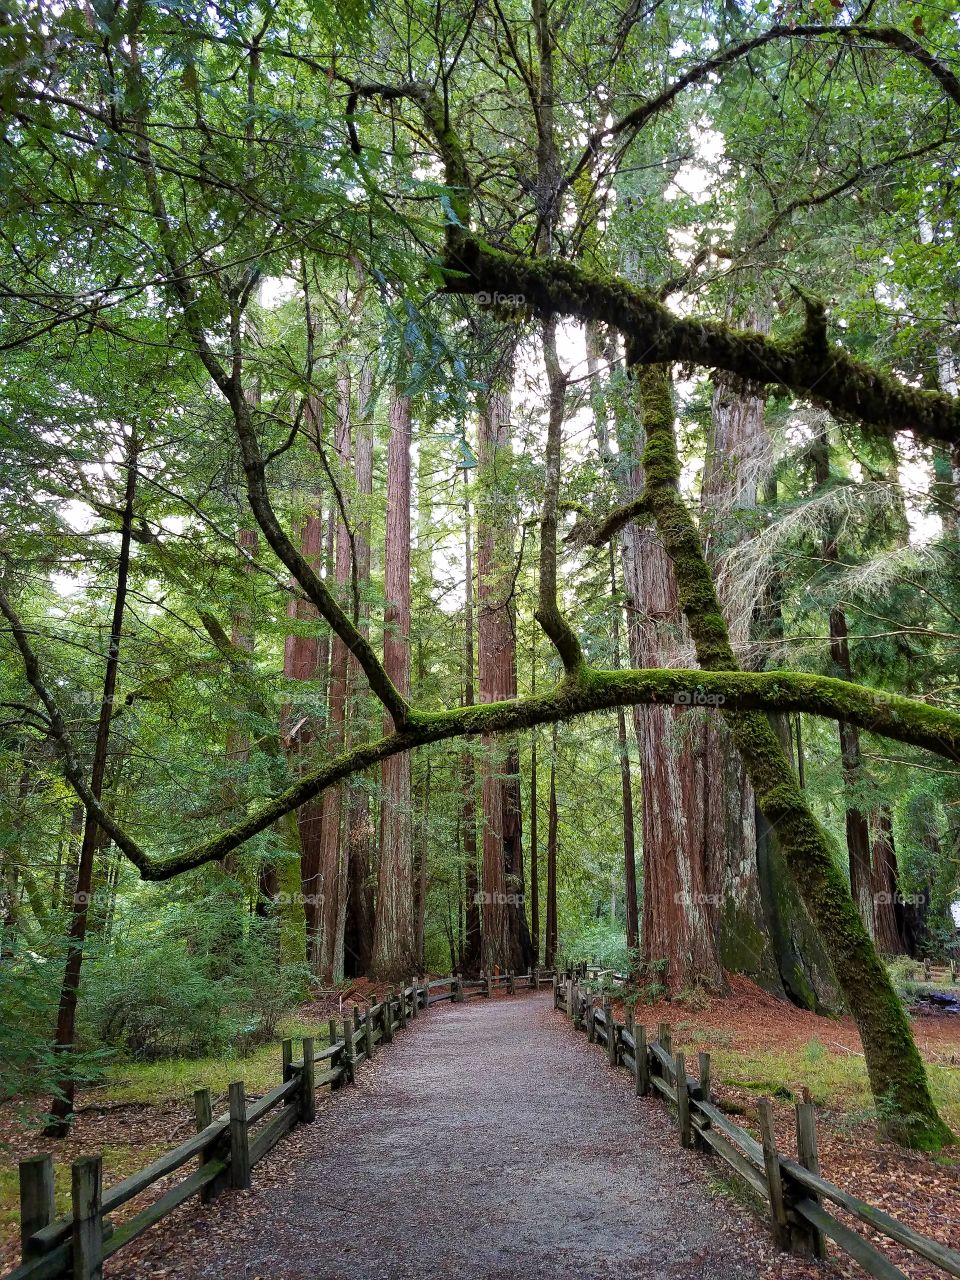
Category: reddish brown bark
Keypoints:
(358, 945)
(550, 941)
(471, 941)
(504, 936)
(886, 885)
(393, 932)
(328, 949)
(851, 758)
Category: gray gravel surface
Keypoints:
(489, 1140)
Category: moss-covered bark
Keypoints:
(897, 1075)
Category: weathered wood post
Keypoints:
(701, 1091)
(489, 991)
(530, 979)
(555, 989)
(357, 1021)
(203, 1115)
(368, 1031)
(809, 1237)
(349, 1057)
(308, 1098)
(570, 997)
(771, 1164)
(591, 1021)
(683, 1099)
(642, 1077)
(664, 1038)
(458, 990)
(86, 1189)
(611, 1032)
(239, 1138)
(37, 1207)
(388, 1018)
(926, 971)
(704, 1065)
(414, 998)
(286, 1057)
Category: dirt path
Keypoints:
(487, 1141)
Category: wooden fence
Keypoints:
(793, 1189)
(226, 1148)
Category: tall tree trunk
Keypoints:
(550, 946)
(534, 852)
(358, 948)
(851, 758)
(886, 885)
(393, 932)
(333, 850)
(504, 938)
(626, 788)
(61, 1108)
(471, 942)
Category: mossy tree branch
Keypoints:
(589, 690)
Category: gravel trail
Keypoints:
(489, 1140)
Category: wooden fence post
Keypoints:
(683, 1099)
(611, 1032)
(704, 1064)
(308, 1098)
(349, 1060)
(591, 1020)
(86, 1188)
(771, 1163)
(489, 985)
(511, 984)
(555, 989)
(368, 1031)
(807, 1155)
(286, 1053)
(239, 1143)
(642, 1078)
(414, 999)
(388, 1018)
(458, 990)
(203, 1115)
(664, 1037)
(36, 1198)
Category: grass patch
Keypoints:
(836, 1080)
(174, 1079)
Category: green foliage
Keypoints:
(204, 979)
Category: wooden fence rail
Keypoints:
(793, 1189)
(226, 1148)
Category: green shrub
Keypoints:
(204, 981)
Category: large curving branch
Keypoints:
(587, 690)
(890, 37)
(807, 364)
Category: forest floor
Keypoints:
(494, 1141)
(760, 1046)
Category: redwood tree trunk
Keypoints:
(550, 946)
(358, 945)
(471, 943)
(393, 933)
(504, 936)
(851, 759)
(333, 850)
(886, 885)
